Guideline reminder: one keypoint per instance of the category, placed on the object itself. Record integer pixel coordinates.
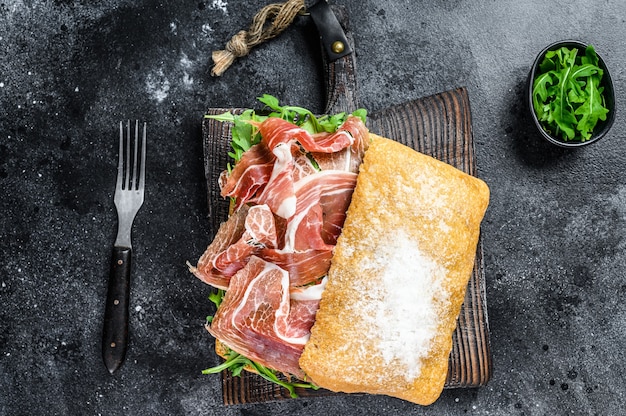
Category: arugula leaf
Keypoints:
(567, 96)
(270, 101)
(360, 113)
(270, 375)
(591, 110)
(540, 93)
(236, 363)
(226, 116)
(216, 298)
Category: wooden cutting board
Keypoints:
(440, 126)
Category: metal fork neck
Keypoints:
(124, 226)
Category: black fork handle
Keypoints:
(115, 332)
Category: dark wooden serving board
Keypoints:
(440, 126)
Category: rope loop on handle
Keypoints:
(268, 23)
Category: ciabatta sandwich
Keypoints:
(363, 301)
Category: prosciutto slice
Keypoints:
(259, 232)
(278, 193)
(246, 232)
(311, 224)
(350, 158)
(277, 131)
(304, 267)
(292, 191)
(249, 176)
(258, 320)
(228, 233)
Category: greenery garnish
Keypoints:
(244, 135)
(567, 96)
(215, 297)
(236, 363)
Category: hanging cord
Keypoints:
(281, 16)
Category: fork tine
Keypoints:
(127, 177)
(131, 166)
(120, 159)
(136, 145)
(142, 167)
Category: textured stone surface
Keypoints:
(70, 70)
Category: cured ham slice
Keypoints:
(278, 193)
(303, 165)
(259, 232)
(249, 176)
(291, 192)
(228, 233)
(276, 131)
(304, 267)
(295, 327)
(246, 232)
(304, 229)
(350, 158)
(256, 318)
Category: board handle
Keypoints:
(338, 55)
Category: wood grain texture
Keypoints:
(216, 138)
(340, 75)
(440, 126)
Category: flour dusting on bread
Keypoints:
(413, 284)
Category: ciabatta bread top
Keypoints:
(398, 277)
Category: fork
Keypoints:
(129, 194)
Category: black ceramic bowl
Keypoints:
(609, 97)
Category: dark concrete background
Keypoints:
(70, 70)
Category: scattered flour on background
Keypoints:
(157, 86)
(220, 5)
(207, 29)
(618, 199)
(186, 64)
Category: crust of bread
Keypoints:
(221, 349)
(399, 192)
